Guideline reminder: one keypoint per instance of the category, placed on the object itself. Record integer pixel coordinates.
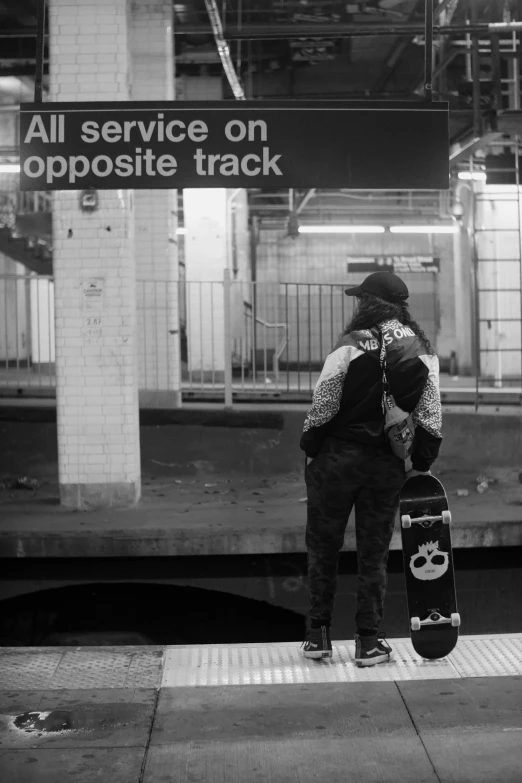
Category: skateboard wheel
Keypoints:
(406, 520)
(415, 624)
(455, 619)
(446, 517)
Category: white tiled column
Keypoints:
(206, 249)
(95, 312)
(155, 215)
(497, 242)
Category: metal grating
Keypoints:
(283, 664)
(91, 670)
(145, 670)
(20, 669)
(99, 668)
(105, 669)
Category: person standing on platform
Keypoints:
(351, 460)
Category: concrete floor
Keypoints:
(213, 515)
(422, 731)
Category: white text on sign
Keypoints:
(143, 162)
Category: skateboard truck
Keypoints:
(435, 618)
(426, 520)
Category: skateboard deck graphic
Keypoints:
(428, 567)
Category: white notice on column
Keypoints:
(92, 293)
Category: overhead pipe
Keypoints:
(293, 31)
(223, 50)
(428, 50)
(445, 11)
(273, 32)
(475, 75)
(40, 40)
(496, 71)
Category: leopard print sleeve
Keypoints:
(428, 411)
(326, 399)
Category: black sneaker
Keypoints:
(318, 643)
(370, 650)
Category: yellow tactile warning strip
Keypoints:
(262, 664)
(24, 668)
(494, 656)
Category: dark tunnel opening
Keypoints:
(142, 614)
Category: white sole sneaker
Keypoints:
(374, 661)
(319, 654)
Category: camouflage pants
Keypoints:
(342, 476)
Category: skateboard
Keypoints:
(428, 566)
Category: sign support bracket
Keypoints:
(40, 44)
(428, 51)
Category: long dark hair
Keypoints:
(372, 310)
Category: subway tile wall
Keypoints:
(319, 310)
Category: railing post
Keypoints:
(227, 338)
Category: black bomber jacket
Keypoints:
(347, 401)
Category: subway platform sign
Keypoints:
(397, 264)
(255, 144)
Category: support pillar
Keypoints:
(206, 258)
(464, 284)
(95, 283)
(155, 215)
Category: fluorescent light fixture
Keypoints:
(435, 229)
(181, 231)
(341, 229)
(479, 176)
(9, 168)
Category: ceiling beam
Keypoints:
(304, 200)
(289, 32)
(352, 30)
(463, 151)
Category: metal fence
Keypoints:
(221, 339)
(14, 203)
(257, 338)
(27, 340)
(250, 337)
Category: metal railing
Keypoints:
(15, 202)
(272, 337)
(280, 348)
(214, 340)
(275, 335)
(27, 337)
(8, 208)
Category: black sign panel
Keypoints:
(320, 144)
(397, 264)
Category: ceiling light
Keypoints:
(341, 229)
(435, 229)
(479, 176)
(9, 168)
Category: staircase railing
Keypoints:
(8, 208)
(25, 239)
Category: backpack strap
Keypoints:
(385, 383)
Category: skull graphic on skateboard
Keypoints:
(428, 566)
